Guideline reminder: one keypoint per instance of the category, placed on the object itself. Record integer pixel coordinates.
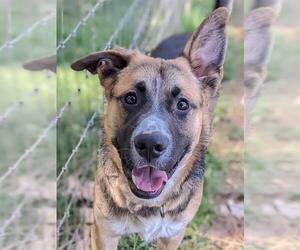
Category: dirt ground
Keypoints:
(272, 177)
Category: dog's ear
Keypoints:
(107, 64)
(258, 36)
(206, 48)
(48, 63)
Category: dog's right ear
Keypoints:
(107, 64)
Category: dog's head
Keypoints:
(157, 108)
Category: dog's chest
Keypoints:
(148, 228)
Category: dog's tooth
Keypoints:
(133, 179)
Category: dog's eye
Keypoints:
(130, 98)
(183, 105)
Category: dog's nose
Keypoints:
(151, 145)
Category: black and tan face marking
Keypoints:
(157, 108)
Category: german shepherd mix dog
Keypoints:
(156, 130)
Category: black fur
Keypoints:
(171, 47)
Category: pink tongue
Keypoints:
(149, 179)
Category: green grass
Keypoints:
(22, 126)
(134, 242)
(18, 132)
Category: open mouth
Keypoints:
(148, 181)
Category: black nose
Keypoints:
(151, 145)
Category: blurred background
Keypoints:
(87, 26)
(271, 75)
(27, 130)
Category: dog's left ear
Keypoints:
(206, 48)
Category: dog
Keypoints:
(156, 130)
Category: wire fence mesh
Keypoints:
(27, 127)
(80, 23)
(27, 32)
(10, 110)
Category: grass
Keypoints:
(24, 125)
(41, 102)
(18, 132)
